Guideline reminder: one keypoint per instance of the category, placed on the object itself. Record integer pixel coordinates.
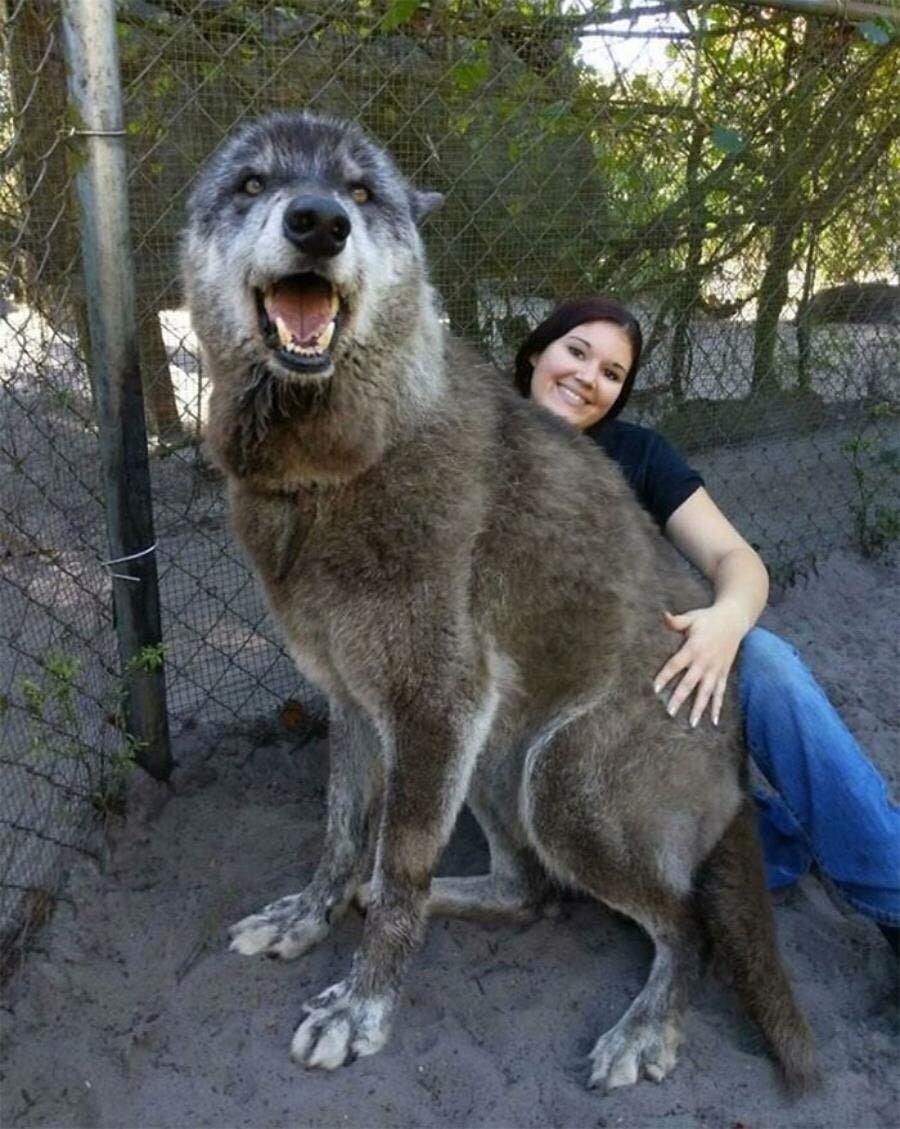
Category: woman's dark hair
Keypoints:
(564, 318)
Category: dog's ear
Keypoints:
(422, 204)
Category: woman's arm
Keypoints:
(702, 533)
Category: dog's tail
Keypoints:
(736, 911)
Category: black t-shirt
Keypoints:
(652, 467)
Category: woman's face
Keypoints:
(579, 376)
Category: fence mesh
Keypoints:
(730, 171)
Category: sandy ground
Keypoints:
(132, 1013)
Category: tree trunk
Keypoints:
(772, 297)
(159, 395)
(688, 292)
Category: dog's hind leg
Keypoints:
(517, 886)
(291, 926)
(588, 842)
(483, 895)
(645, 1041)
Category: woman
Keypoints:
(831, 806)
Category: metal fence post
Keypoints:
(95, 95)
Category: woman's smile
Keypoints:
(580, 375)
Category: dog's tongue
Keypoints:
(304, 305)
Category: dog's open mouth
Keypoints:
(300, 318)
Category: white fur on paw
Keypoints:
(329, 1048)
(281, 929)
(299, 939)
(622, 1056)
(327, 998)
(349, 1028)
(252, 935)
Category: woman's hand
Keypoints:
(712, 635)
(711, 639)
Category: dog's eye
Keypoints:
(252, 186)
(360, 194)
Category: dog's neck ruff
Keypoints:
(279, 435)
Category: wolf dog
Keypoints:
(480, 596)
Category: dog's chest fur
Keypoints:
(348, 567)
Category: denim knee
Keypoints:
(767, 662)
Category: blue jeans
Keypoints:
(831, 806)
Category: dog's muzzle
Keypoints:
(300, 318)
(301, 315)
(317, 226)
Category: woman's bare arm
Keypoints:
(712, 635)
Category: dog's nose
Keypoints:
(316, 225)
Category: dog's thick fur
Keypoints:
(481, 598)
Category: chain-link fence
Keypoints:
(730, 170)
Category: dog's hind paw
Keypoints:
(345, 1028)
(286, 928)
(624, 1054)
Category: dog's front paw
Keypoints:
(630, 1051)
(344, 1027)
(333, 995)
(286, 928)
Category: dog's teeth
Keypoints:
(335, 304)
(302, 350)
(291, 345)
(284, 334)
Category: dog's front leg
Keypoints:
(431, 757)
(293, 924)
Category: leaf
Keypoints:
(727, 139)
(399, 13)
(556, 112)
(468, 74)
(875, 32)
(461, 123)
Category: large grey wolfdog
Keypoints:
(480, 597)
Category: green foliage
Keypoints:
(468, 74)
(33, 696)
(54, 732)
(151, 657)
(399, 13)
(875, 466)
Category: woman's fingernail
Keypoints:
(670, 709)
(656, 687)
(694, 721)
